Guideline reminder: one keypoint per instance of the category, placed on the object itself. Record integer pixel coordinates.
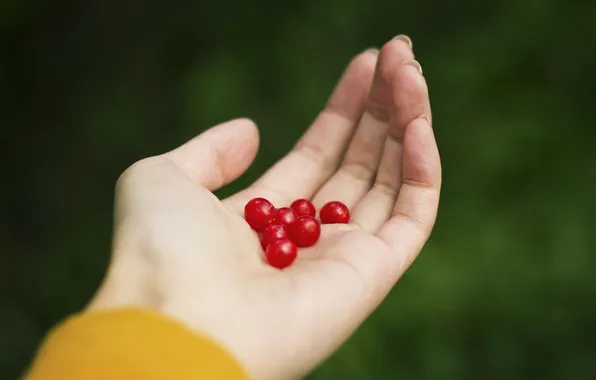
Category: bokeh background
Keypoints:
(503, 290)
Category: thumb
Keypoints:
(219, 155)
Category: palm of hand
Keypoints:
(203, 264)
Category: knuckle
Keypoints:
(423, 185)
(378, 107)
(387, 190)
(359, 170)
(132, 173)
(314, 152)
(422, 223)
(412, 219)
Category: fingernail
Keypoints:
(372, 50)
(415, 63)
(405, 39)
(426, 117)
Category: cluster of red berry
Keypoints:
(283, 230)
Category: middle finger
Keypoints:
(357, 172)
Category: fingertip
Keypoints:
(248, 130)
(399, 44)
(409, 81)
(406, 39)
(220, 154)
(410, 96)
(243, 124)
(392, 55)
(238, 141)
(369, 55)
(422, 163)
(351, 93)
(362, 66)
(414, 63)
(427, 118)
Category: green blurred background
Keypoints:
(503, 290)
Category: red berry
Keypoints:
(334, 212)
(273, 233)
(285, 216)
(281, 253)
(259, 213)
(305, 231)
(303, 207)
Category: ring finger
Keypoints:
(410, 101)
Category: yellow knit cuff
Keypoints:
(130, 344)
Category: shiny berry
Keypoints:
(305, 231)
(303, 207)
(273, 233)
(259, 213)
(334, 212)
(281, 253)
(285, 216)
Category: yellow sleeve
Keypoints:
(130, 344)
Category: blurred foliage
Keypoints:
(504, 288)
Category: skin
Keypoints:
(182, 252)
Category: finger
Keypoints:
(355, 176)
(219, 155)
(415, 211)
(361, 269)
(316, 155)
(410, 100)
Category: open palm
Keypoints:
(180, 249)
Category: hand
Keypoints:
(180, 250)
